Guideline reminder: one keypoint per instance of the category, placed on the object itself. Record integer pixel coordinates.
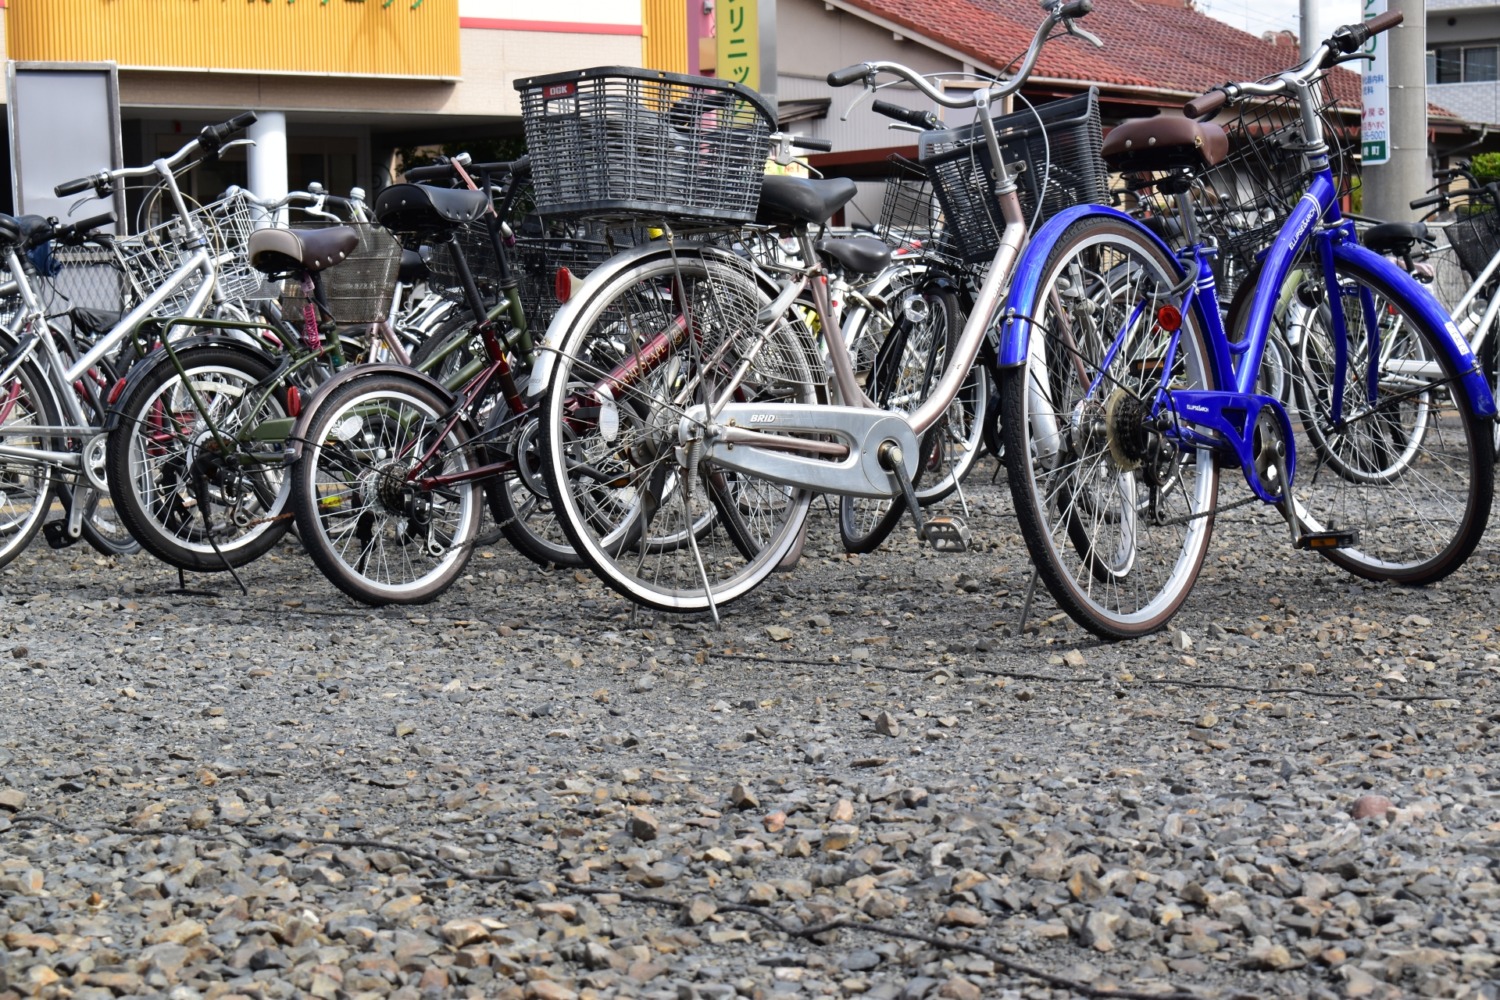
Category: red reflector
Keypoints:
(562, 284)
(114, 393)
(1169, 318)
(293, 401)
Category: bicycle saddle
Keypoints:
(860, 254)
(1165, 143)
(277, 251)
(417, 208)
(1395, 238)
(789, 200)
(22, 229)
(412, 268)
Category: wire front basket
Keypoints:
(1475, 237)
(359, 288)
(1241, 203)
(1054, 149)
(153, 255)
(478, 251)
(618, 142)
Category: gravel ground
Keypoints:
(868, 781)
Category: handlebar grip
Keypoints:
(1428, 201)
(437, 171)
(1075, 8)
(847, 75)
(808, 142)
(1384, 22)
(241, 121)
(214, 136)
(911, 116)
(74, 186)
(86, 225)
(1205, 104)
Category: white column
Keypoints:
(267, 175)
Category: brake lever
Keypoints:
(1071, 24)
(866, 94)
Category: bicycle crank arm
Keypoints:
(776, 441)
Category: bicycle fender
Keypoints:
(1420, 302)
(1013, 321)
(313, 402)
(183, 348)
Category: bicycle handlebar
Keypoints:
(207, 142)
(446, 171)
(808, 142)
(1056, 13)
(1341, 43)
(1428, 201)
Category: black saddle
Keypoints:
(277, 251)
(860, 254)
(790, 200)
(417, 208)
(1395, 238)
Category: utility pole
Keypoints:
(1307, 32)
(1389, 186)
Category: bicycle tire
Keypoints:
(376, 535)
(1077, 446)
(520, 504)
(1411, 471)
(162, 464)
(907, 365)
(26, 486)
(102, 527)
(637, 517)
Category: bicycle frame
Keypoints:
(1229, 408)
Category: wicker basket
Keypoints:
(622, 143)
(1057, 147)
(359, 288)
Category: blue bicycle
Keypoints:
(1124, 390)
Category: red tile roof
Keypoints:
(1157, 46)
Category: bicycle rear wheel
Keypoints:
(375, 495)
(663, 335)
(1116, 517)
(1407, 466)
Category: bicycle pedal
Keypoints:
(947, 534)
(57, 535)
(1318, 540)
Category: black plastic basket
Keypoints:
(359, 288)
(1475, 238)
(1057, 148)
(618, 142)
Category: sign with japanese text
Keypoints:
(1375, 126)
(737, 41)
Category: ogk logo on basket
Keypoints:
(560, 98)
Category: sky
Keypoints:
(1257, 16)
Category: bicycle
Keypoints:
(1123, 390)
(53, 433)
(685, 397)
(389, 465)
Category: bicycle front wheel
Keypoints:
(380, 492)
(657, 524)
(185, 473)
(1402, 462)
(1116, 516)
(906, 366)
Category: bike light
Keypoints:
(114, 393)
(293, 401)
(562, 285)
(1169, 318)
